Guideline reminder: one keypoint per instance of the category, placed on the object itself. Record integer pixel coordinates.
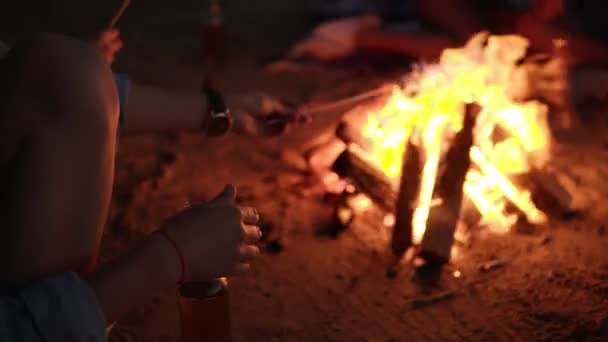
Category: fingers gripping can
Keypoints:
(204, 309)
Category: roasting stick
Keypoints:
(119, 13)
(325, 107)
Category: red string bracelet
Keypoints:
(182, 262)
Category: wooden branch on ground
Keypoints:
(353, 164)
(443, 219)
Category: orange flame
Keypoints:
(511, 138)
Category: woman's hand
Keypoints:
(109, 43)
(260, 115)
(216, 239)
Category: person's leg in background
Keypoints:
(389, 9)
(442, 24)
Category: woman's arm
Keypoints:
(154, 109)
(146, 271)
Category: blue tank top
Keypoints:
(123, 85)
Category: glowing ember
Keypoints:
(360, 203)
(511, 138)
(389, 220)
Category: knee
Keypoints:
(69, 76)
(52, 53)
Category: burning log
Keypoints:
(443, 219)
(411, 173)
(366, 177)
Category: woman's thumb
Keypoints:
(227, 196)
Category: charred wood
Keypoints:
(443, 219)
(406, 201)
(354, 165)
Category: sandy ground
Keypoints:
(554, 285)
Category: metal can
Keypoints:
(204, 309)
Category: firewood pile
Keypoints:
(353, 165)
(350, 162)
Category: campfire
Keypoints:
(452, 147)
